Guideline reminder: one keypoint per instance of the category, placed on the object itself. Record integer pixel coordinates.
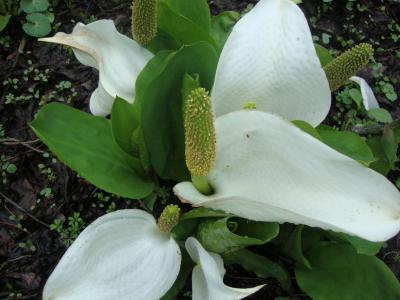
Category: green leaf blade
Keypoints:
(85, 144)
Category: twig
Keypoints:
(27, 144)
(375, 129)
(20, 208)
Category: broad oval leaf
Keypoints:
(85, 144)
(260, 265)
(160, 100)
(232, 233)
(338, 272)
(348, 143)
(37, 25)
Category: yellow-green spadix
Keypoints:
(199, 137)
(342, 68)
(144, 20)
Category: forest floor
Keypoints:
(44, 205)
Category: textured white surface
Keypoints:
(369, 99)
(207, 276)
(118, 59)
(270, 59)
(121, 255)
(269, 170)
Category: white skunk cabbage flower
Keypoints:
(123, 255)
(368, 96)
(207, 276)
(118, 59)
(270, 59)
(267, 169)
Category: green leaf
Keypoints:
(324, 55)
(203, 212)
(37, 25)
(4, 21)
(293, 248)
(360, 245)
(33, 6)
(160, 99)
(348, 143)
(260, 265)
(221, 26)
(180, 28)
(197, 11)
(85, 144)
(380, 115)
(124, 120)
(389, 145)
(338, 272)
(307, 128)
(188, 222)
(189, 84)
(232, 233)
(356, 96)
(381, 163)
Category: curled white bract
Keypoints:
(207, 276)
(118, 59)
(269, 170)
(270, 59)
(121, 255)
(369, 99)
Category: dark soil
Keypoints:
(29, 249)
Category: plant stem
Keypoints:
(202, 185)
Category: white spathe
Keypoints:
(269, 170)
(208, 274)
(270, 59)
(121, 255)
(369, 99)
(118, 58)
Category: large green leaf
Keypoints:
(349, 144)
(338, 272)
(4, 19)
(160, 100)
(180, 28)
(197, 11)
(360, 245)
(383, 164)
(189, 221)
(260, 265)
(324, 55)
(291, 244)
(232, 233)
(85, 144)
(221, 26)
(308, 128)
(124, 120)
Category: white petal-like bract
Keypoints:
(270, 59)
(207, 276)
(121, 255)
(369, 99)
(269, 170)
(118, 58)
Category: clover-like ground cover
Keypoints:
(44, 205)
